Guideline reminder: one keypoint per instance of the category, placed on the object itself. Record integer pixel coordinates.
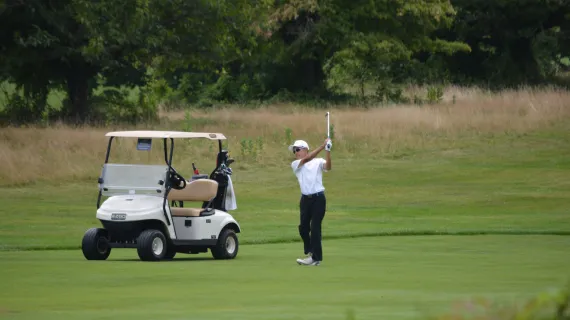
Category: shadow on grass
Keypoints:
(176, 259)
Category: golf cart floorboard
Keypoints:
(122, 245)
(205, 242)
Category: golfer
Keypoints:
(309, 172)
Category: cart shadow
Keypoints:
(169, 260)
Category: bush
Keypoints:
(435, 94)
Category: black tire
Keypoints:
(227, 246)
(151, 245)
(170, 252)
(95, 244)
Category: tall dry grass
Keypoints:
(64, 153)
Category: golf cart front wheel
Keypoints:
(151, 245)
(227, 245)
(95, 244)
(170, 252)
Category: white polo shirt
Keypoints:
(310, 175)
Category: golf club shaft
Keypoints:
(328, 125)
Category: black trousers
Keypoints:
(312, 213)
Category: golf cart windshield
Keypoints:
(119, 179)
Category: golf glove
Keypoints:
(328, 146)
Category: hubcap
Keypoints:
(157, 246)
(230, 245)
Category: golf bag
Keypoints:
(221, 174)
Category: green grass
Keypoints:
(502, 202)
(375, 278)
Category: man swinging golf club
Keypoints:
(308, 170)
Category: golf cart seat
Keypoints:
(197, 190)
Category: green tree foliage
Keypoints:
(311, 43)
(208, 47)
(206, 51)
(373, 37)
(69, 43)
(513, 42)
(66, 43)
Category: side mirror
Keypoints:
(230, 161)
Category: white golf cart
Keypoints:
(150, 207)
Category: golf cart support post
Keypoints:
(138, 213)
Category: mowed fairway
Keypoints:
(417, 221)
(407, 277)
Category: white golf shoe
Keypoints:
(308, 261)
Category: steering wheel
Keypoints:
(178, 182)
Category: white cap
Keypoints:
(300, 144)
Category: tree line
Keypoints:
(208, 51)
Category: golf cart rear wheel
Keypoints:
(227, 246)
(151, 245)
(95, 244)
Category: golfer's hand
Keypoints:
(328, 144)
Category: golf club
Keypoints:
(328, 125)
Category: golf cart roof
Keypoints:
(166, 134)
